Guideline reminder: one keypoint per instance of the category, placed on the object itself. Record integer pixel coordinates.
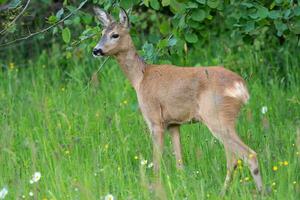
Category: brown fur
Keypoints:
(170, 96)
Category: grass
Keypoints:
(88, 138)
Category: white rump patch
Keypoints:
(238, 91)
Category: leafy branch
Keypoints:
(46, 29)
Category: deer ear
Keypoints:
(124, 20)
(103, 17)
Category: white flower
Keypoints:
(31, 194)
(144, 162)
(264, 110)
(35, 177)
(109, 197)
(150, 165)
(3, 192)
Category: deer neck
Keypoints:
(132, 65)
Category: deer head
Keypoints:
(115, 35)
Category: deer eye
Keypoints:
(115, 35)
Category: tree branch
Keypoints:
(46, 29)
(16, 18)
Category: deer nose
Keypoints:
(98, 52)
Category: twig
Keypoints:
(100, 67)
(16, 18)
(46, 29)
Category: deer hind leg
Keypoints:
(175, 135)
(221, 121)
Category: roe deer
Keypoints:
(169, 96)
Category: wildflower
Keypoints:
(150, 165)
(264, 110)
(239, 162)
(275, 168)
(109, 197)
(144, 162)
(251, 155)
(31, 194)
(35, 177)
(3, 192)
(285, 163)
(11, 65)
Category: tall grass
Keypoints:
(85, 134)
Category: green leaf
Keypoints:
(274, 14)
(172, 42)
(250, 26)
(52, 19)
(262, 12)
(154, 4)
(191, 5)
(146, 3)
(280, 26)
(213, 3)
(201, 1)
(59, 13)
(164, 27)
(191, 37)
(14, 3)
(297, 11)
(165, 2)
(66, 35)
(295, 26)
(198, 15)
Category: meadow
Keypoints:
(83, 132)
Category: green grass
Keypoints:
(88, 138)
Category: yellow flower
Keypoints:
(285, 163)
(275, 168)
(239, 162)
(11, 65)
(251, 155)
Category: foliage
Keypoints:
(86, 136)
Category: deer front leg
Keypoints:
(158, 140)
(175, 135)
